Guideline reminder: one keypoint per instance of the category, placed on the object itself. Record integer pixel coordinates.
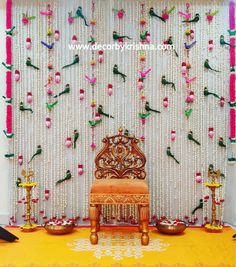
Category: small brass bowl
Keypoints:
(59, 229)
(171, 229)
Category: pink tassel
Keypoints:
(232, 123)
(198, 177)
(17, 75)
(57, 77)
(29, 98)
(172, 135)
(48, 122)
(109, 89)
(9, 119)
(81, 94)
(93, 146)
(46, 194)
(20, 160)
(56, 35)
(8, 85)
(8, 14)
(80, 169)
(100, 56)
(97, 117)
(231, 15)
(211, 132)
(28, 43)
(142, 138)
(210, 45)
(232, 87)
(8, 50)
(68, 142)
(222, 101)
(165, 102)
(74, 40)
(232, 52)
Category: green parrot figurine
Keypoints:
(76, 136)
(38, 152)
(200, 206)
(50, 106)
(116, 36)
(221, 142)
(22, 108)
(169, 154)
(195, 19)
(94, 123)
(143, 36)
(207, 93)
(188, 111)
(126, 132)
(153, 14)
(92, 40)
(165, 82)
(79, 14)
(207, 66)
(100, 111)
(75, 61)
(29, 64)
(144, 115)
(65, 91)
(147, 108)
(222, 41)
(67, 177)
(117, 72)
(170, 42)
(190, 137)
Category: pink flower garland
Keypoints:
(8, 14)
(9, 120)
(8, 50)
(232, 74)
(8, 84)
(8, 73)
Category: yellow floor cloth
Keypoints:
(120, 246)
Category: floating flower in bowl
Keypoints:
(171, 227)
(59, 226)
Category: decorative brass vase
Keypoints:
(28, 185)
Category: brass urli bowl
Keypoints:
(171, 229)
(59, 229)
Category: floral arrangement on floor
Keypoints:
(165, 221)
(61, 222)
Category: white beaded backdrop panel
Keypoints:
(173, 188)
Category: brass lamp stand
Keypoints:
(28, 185)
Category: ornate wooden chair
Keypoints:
(119, 180)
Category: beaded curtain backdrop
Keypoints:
(60, 95)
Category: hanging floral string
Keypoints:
(232, 102)
(8, 97)
(144, 39)
(96, 119)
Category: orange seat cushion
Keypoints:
(119, 186)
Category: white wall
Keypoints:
(230, 205)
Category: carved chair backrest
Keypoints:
(120, 158)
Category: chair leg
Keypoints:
(139, 221)
(98, 218)
(93, 215)
(144, 219)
